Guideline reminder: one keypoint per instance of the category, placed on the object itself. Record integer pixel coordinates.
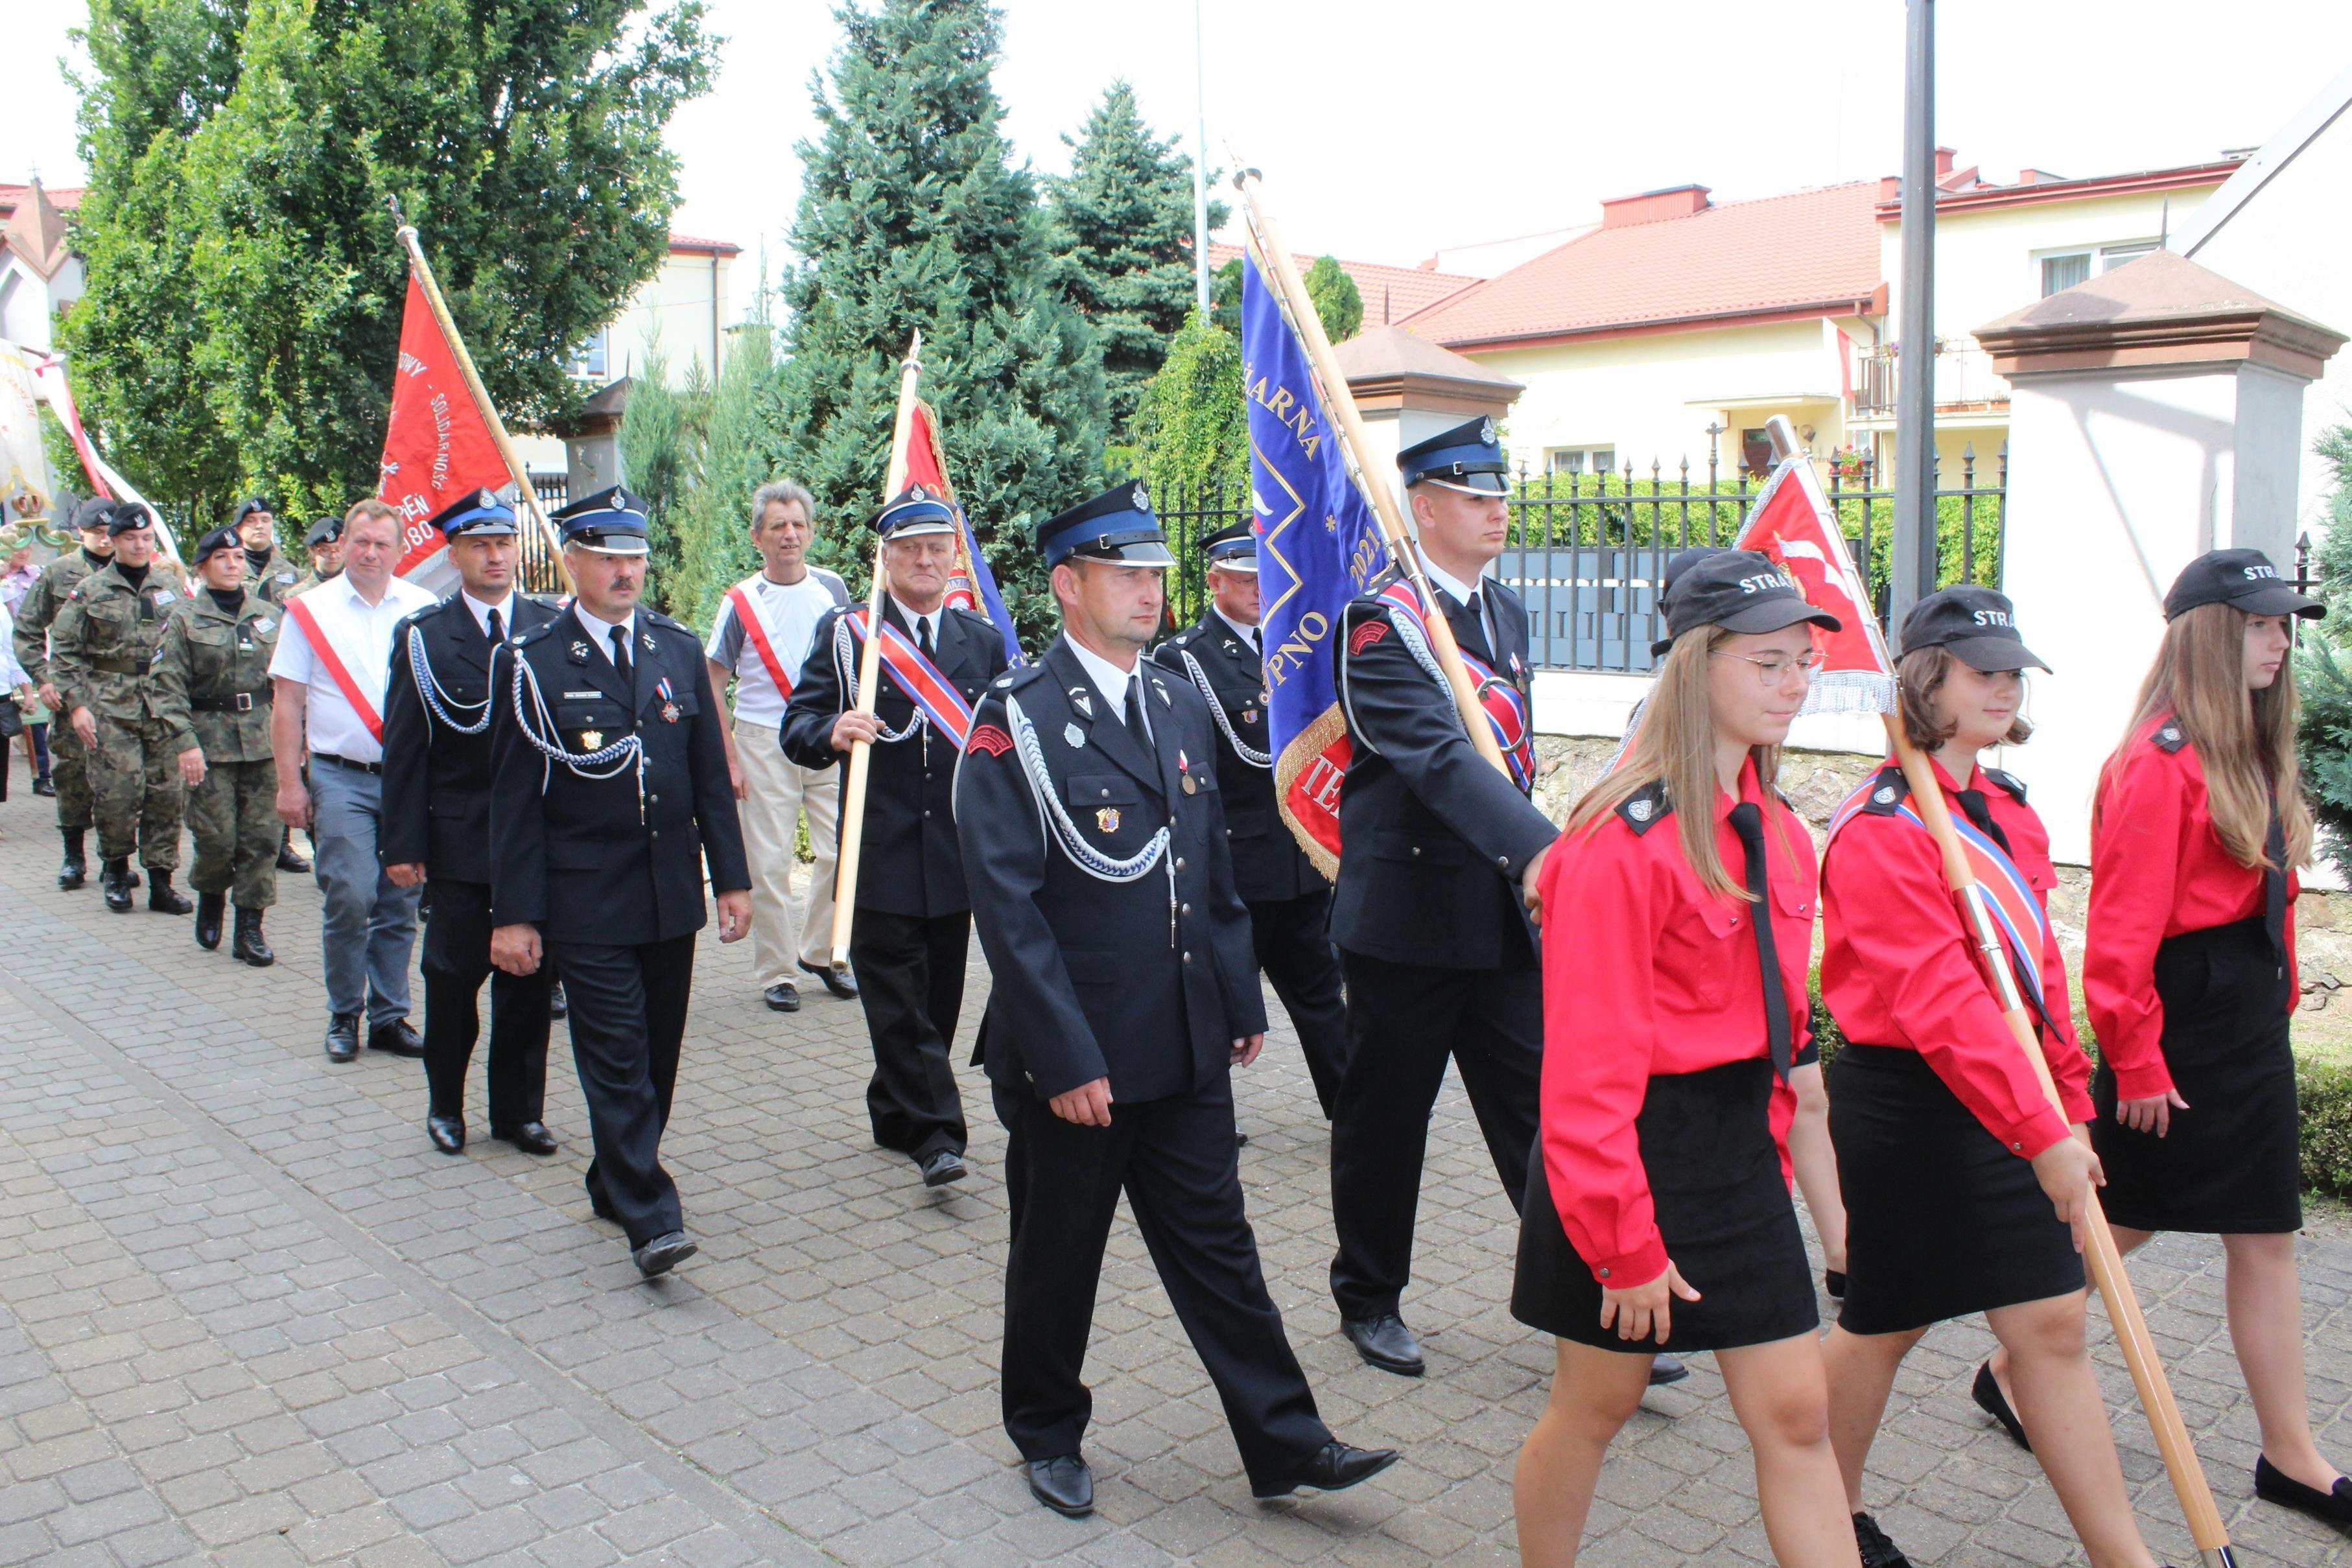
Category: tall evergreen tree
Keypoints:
(1126, 212)
(1337, 299)
(911, 216)
(243, 308)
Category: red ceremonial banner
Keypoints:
(1792, 523)
(438, 445)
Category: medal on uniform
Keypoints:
(1076, 736)
(1184, 766)
(590, 739)
(669, 705)
(1107, 819)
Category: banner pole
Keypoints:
(490, 411)
(869, 676)
(1282, 273)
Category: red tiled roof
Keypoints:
(1404, 289)
(1809, 250)
(64, 199)
(679, 242)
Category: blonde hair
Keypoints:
(2244, 738)
(1675, 746)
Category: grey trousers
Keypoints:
(368, 927)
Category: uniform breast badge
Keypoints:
(591, 739)
(1107, 819)
(1076, 736)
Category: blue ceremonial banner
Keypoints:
(1318, 545)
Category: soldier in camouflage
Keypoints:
(69, 770)
(324, 545)
(268, 575)
(100, 647)
(211, 694)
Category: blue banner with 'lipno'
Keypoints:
(1318, 546)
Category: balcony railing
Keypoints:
(1964, 379)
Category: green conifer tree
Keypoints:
(912, 215)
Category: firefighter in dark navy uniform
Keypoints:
(436, 829)
(1126, 990)
(1221, 656)
(609, 791)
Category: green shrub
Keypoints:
(2322, 1090)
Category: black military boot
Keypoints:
(209, 908)
(74, 871)
(247, 945)
(163, 898)
(114, 881)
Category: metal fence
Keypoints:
(1587, 552)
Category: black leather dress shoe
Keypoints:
(1995, 1404)
(288, 860)
(1666, 1369)
(664, 1253)
(1063, 1484)
(448, 1132)
(2274, 1485)
(1385, 1343)
(837, 981)
(1335, 1468)
(783, 997)
(530, 1138)
(342, 1037)
(558, 1003)
(42, 786)
(942, 1167)
(395, 1039)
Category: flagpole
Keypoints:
(869, 676)
(440, 308)
(1282, 272)
(2099, 1251)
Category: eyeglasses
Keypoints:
(1773, 669)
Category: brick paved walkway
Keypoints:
(248, 1317)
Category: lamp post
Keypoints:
(1915, 400)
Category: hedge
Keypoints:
(2323, 1092)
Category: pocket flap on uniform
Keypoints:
(1248, 822)
(601, 714)
(1102, 789)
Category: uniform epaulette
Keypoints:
(655, 617)
(1014, 679)
(2170, 737)
(1181, 639)
(2008, 783)
(532, 634)
(1888, 790)
(1645, 808)
(978, 621)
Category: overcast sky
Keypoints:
(1390, 129)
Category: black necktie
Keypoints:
(923, 637)
(2274, 887)
(1257, 641)
(1972, 801)
(498, 629)
(1748, 823)
(1135, 725)
(620, 636)
(1479, 644)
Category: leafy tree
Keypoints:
(912, 215)
(1126, 212)
(2324, 661)
(661, 442)
(244, 300)
(1336, 297)
(738, 454)
(1193, 424)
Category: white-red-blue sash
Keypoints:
(933, 694)
(1507, 710)
(2017, 914)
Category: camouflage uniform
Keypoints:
(210, 689)
(68, 769)
(276, 579)
(102, 642)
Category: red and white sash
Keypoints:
(1507, 710)
(755, 626)
(932, 693)
(324, 651)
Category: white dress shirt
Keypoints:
(1461, 592)
(1241, 629)
(481, 611)
(1111, 681)
(600, 630)
(361, 635)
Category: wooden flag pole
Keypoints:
(869, 676)
(1331, 386)
(2105, 1261)
(506, 453)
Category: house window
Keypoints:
(2060, 272)
(1567, 461)
(589, 363)
(2114, 255)
(1756, 451)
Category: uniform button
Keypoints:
(653, 800)
(1106, 794)
(1187, 909)
(1172, 822)
(1179, 863)
(1604, 1273)
(656, 833)
(1416, 849)
(1503, 860)
(2017, 1148)
(1188, 957)
(927, 811)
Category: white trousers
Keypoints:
(779, 791)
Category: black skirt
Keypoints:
(2230, 1164)
(1941, 1219)
(1722, 1206)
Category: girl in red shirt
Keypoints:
(1965, 1191)
(1678, 914)
(2189, 974)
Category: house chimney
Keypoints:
(1945, 158)
(1654, 206)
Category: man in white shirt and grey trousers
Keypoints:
(328, 679)
(761, 641)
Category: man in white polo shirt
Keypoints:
(328, 677)
(760, 642)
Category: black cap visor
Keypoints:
(1126, 550)
(1477, 483)
(1776, 613)
(1993, 655)
(2277, 599)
